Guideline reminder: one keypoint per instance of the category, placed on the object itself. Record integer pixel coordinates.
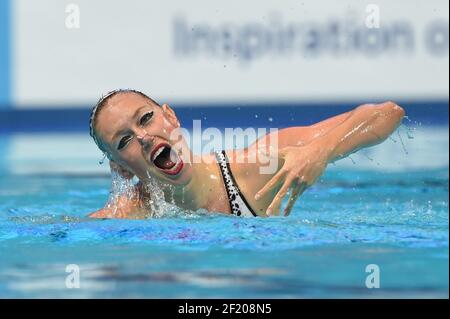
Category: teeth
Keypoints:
(158, 152)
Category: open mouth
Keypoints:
(166, 159)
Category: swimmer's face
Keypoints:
(143, 138)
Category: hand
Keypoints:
(302, 166)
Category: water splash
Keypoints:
(370, 158)
(367, 156)
(102, 160)
(122, 191)
(403, 144)
(409, 131)
(353, 161)
(161, 203)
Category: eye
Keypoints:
(124, 142)
(145, 118)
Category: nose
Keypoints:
(143, 138)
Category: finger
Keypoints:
(276, 203)
(284, 150)
(270, 184)
(293, 198)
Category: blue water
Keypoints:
(398, 221)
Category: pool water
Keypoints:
(351, 219)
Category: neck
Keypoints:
(203, 185)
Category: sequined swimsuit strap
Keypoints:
(238, 204)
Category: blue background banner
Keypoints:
(76, 119)
(53, 68)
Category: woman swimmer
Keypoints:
(137, 136)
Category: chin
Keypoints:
(183, 177)
(180, 178)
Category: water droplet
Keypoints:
(401, 141)
(353, 161)
(367, 156)
(390, 137)
(103, 159)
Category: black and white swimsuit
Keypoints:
(238, 204)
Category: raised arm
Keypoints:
(365, 126)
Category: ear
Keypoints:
(120, 170)
(170, 114)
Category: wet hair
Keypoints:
(101, 103)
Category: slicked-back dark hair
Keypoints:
(101, 103)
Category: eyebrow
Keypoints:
(135, 114)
